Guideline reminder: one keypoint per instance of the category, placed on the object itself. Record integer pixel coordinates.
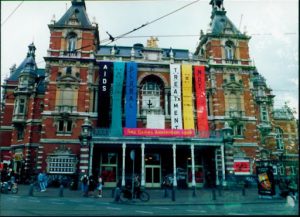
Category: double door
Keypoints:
(153, 176)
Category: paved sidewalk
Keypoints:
(157, 196)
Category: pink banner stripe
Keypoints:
(158, 132)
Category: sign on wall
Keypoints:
(241, 167)
(105, 81)
(158, 132)
(176, 114)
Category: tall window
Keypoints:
(20, 106)
(279, 138)
(229, 50)
(20, 133)
(238, 130)
(66, 100)
(264, 114)
(72, 39)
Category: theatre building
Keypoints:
(111, 110)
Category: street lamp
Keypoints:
(85, 138)
(227, 140)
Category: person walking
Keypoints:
(41, 181)
(137, 186)
(92, 185)
(84, 185)
(100, 186)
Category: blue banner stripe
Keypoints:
(116, 125)
(131, 95)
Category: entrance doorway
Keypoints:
(152, 170)
(152, 176)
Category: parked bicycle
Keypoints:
(11, 187)
(126, 195)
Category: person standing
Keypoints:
(100, 186)
(92, 185)
(84, 185)
(41, 181)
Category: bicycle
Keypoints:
(126, 195)
(11, 187)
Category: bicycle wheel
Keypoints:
(14, 189)
(144, 196)
(123, 196)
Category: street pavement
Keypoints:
(54, 202)
(160, 197)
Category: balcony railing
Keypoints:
(65, 109)
(235, 114)
(19, 118)
(71, 53)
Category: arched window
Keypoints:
(151, 93)
(229, 50)
(72, 39)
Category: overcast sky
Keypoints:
(272, 24)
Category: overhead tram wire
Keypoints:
(7, 18)
(111, 39)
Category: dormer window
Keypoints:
(229, 50)
(72, 39)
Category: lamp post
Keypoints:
(85, 149)
(227, 133)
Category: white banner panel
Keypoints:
(176, 112)
(155, 121)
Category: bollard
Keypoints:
(213, 194)
(61, 190)
(30, 193)
(165, 192)
(219, 191)
(117, 194)
(194, 191)
(173, 194)
(243, 191)
(5, 188)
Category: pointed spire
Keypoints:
(78, 3)
(31, 50)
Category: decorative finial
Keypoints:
(53, 20)
(171, 53)
(152, 42)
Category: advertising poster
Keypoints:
(265, 177)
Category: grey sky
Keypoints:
(273, 26)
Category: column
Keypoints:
(84, 158)
(143, 166)
(123, 163)
(174, 166)
(91, 158)
(217, 171)
(223, 165)
(193, 166)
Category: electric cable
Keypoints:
(7, 18)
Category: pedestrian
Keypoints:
(100, 186)
(92, 185)
(137, 186)
(41, 181)
(84, 185)
(45, 178)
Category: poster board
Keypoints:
(266, 182)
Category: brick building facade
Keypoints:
(93, 105)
